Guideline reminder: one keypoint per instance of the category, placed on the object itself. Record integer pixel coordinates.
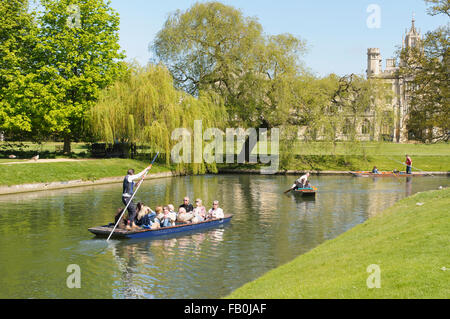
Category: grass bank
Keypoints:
(429, 163)
(15, 174)
(409, 242)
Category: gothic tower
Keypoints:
(373, 62)
(412, 38)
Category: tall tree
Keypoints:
(145, 108)
(17, 40)
(212, 46)
(427, 69)
(78, 55)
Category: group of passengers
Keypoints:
(163, 216)
(166, 216)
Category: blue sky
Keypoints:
(336, 32)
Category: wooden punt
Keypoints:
(386, 174)
(104, 231)
(306, 191)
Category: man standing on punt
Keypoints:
(128, 186)
(408, 163)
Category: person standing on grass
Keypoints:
(128, 186)
(408, 163)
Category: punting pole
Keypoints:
(140, 182)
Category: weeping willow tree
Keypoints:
(145, 108)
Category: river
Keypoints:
(42, 233)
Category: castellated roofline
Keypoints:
(373, 50)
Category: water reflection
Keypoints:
(168, 263)
(43, 232)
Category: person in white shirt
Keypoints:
(299, 183)
(172, 213)
(127, 193)
(216, 211)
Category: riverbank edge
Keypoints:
(37, 187)
(332, 249)
(312, 172)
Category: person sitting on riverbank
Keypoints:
(183, 216)
(215, 212)
(199, 211)
(186, 205)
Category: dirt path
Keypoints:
(49, 160)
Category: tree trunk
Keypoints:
(248, 147)
(67, 149)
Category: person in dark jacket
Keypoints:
(186, 205)
(127, 193)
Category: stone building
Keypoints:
(390, 74)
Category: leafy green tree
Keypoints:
(438, 7)
(145, 108)
(426, 69)
(78, 55)
(17, 40)
(212, 46)
(54, 64)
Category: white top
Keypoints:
(216, 213)
(137, 176)
(303, 179)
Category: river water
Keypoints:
(42, 233)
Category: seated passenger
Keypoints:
(375, 170)
(165, 221)
(215, 211)
(199, 212)
(184, 216)
(145, 216)
(159, 213)
(123, 220)
(186, 205)
(307, 185)
(172, 213)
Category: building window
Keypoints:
(347, 127)
(365, 129)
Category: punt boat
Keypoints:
(104, 231)
(386, 174)
(306, 191)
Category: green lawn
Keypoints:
(409, 242)
(384, 163)
(12, 174)
(372, 148)
(51, 147)
(324, 156)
